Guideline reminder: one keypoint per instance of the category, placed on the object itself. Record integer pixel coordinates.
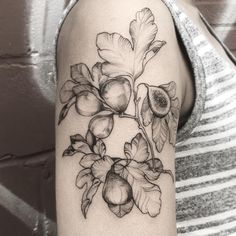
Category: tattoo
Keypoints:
(106, 92)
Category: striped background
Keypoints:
(206, 159)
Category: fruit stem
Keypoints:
(125, 115)
(140, 125)
(137, 118)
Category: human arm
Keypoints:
(115, 146)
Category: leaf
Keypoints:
(76, 138)
(144, 168)
(118, 54)
(79, 144)
(143, 31)
(121, 210)
(65, 109)
(146, 112)
(89, 197)
(170, 88)
(173, 125)
(137, 149)
(175, 109)
(70, 151)
(175, 113)
(101, 167)
(146, 195)
(82, 147)
(156, 166)
(175, 103)
(98, 77)
(88, 160)
(159, 132)
(123, 58)
(80, 73)
(85, 178)
(78, 89)
(100, 148)
(90, 138)
(66, 92)
(154, 48)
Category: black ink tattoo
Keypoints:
(105, 92)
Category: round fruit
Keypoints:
(101, 125)
(116, 190)
(116, 92)
(87, 104)
(159, 101)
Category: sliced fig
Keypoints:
(116, 190)
(87, 104)
(116, 93)
(159, 101)
(101, 125)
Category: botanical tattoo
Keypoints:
(106, 91)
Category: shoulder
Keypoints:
(89, 18)
(97, 29)
(98, 15)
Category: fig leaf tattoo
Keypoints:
(105, 92)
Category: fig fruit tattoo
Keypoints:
(105, 92)
(116, 93)
(159, 101)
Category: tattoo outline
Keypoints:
(105, 92)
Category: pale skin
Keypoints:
(77, 44)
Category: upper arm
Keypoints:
(118, 106)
